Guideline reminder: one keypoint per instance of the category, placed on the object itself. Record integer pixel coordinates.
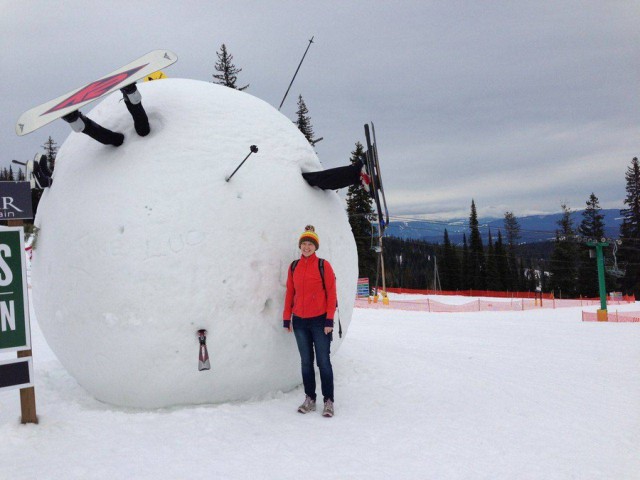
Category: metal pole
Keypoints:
(602, 313)
(603, 289)
(385, 300)
(294, 75)
(377, 274)
(253, 149)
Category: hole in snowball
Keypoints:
(267, 304)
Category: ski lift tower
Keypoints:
(598, 245)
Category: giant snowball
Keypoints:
(141, 245)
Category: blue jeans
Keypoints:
(309, 334)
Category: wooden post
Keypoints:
(28, 398)
(27, 395)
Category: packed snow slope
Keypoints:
(142, 245)
(511, 395)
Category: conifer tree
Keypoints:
(359, 210)
(502, 264)
(512, 231)
(563, 264)
(477, 261)
(450, 266)
(228, 73)
(592, 226)
(465, 275)
(51, 151)
(531, 278)
(630, 230)
(493, 280)
(303, 120)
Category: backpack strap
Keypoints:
(293, 266)
(321, 267)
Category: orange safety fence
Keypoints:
(497, 294)
(515, 304)
(613, 317)
(470, 293)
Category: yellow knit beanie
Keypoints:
(309, 235)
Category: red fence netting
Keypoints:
(613, 317)
(480, 305)
(496, 294)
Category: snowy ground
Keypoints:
(484, 395)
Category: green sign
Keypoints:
(14, 303)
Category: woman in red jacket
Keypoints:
(309, 307)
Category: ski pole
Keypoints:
(253, 149)
(294, 75)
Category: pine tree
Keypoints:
(521, 286)
(228, 72)
(531, 278)
(51, 151)
(564, 259)
(303, 121)
(502, 263)
(359, 210)
(449, 265)
(465, 275)
(477, 261)
(493, 280)
(512, 231)
(630, 230)
(592, 226)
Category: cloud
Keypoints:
(518, 105)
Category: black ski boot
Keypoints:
(42, 181)
(80, 123)
(133, 101)
(44, 167)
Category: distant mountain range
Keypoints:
(534, 228)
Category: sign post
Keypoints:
(15, 335)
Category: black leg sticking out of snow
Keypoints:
(80, 123)
(133, 101)
(42, 173)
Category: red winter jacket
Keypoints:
(305, 296)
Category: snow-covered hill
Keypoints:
(511, 395)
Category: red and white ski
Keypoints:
(48, 112)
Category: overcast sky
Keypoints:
(519, 105)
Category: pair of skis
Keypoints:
(373, 166)
(377, 192)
